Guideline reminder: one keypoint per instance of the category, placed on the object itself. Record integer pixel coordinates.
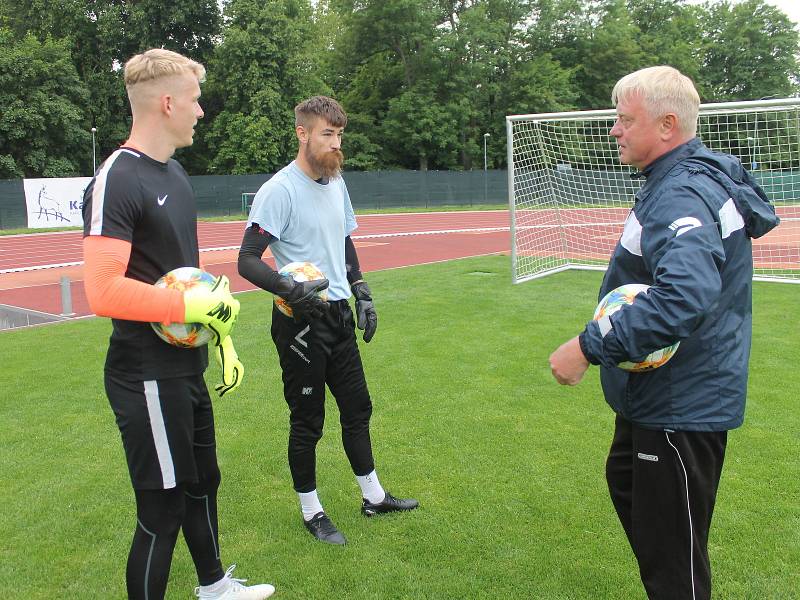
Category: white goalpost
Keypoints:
(569, 195)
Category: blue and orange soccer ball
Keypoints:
(300, 271)
(185, 335)
(623, 296)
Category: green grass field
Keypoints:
(507, 465)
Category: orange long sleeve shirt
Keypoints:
(111, 294)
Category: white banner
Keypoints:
(55, 202)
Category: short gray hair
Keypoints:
(663, 90)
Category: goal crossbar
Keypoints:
(569, 195)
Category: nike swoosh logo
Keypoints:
(162, 200)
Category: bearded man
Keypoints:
(303, 214)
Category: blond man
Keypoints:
(140, 221)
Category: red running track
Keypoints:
(32, 265)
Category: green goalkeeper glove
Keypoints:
(365, 309)
(215, 308)
(232, 368)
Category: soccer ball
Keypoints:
(611, 303)
(300, 271)
(185, 335)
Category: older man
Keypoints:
(688, 236)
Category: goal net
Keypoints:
(569, 195)
(247, 201)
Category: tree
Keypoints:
(383, 60)
(268, 62)
(539, 84)
(607, 48)
(422, 81)
(670, 33)
(43, 129)
(418, 127)
(102, 35)
(190, 27)
(502, 68)
(479, 46)
(406, 66)
(360, 152)
(114, 30)
(749, 51)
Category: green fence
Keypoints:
(13, 212)
(221, 195)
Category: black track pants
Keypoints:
(313, 355)
(663, 486)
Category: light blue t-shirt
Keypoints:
(309, 221)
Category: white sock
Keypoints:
(309, 504)
(215, 587)
(371, 488)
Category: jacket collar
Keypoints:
(657, 170)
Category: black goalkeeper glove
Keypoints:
(365, 309)
(302, 298)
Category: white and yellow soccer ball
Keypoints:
(300, 271)
(623, 296)
(185, 335)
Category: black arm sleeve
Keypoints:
(255, 270)
(351, 259)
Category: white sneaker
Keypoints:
(230, 588)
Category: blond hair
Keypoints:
(319, 107)
(663, 90)
(157, 63)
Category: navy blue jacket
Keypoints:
(689, 237)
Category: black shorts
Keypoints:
(161, 422)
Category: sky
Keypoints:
(790, 7)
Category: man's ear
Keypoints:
(302, 134)
(669, 126)
(165, 104)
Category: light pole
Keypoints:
(485, 137)
(94, 154)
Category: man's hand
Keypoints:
(568, 364)
(216, 308)
(302, 298)
(232, 368)
(365, 310)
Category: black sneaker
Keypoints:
(322, 528)
(389, 504)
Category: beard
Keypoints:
(327, 164)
